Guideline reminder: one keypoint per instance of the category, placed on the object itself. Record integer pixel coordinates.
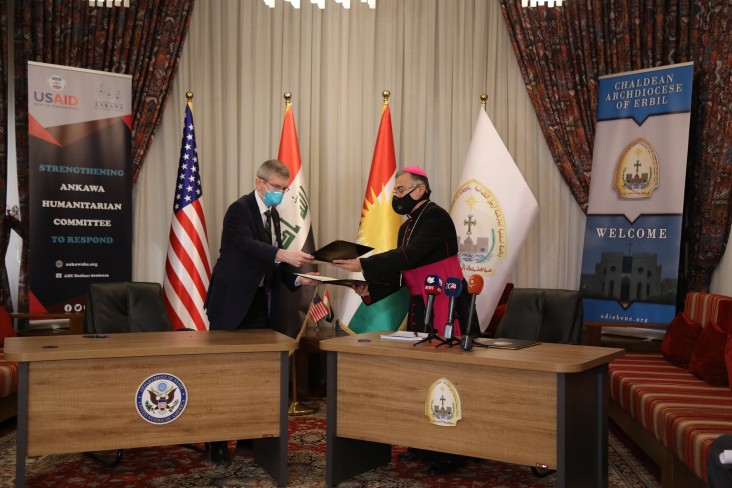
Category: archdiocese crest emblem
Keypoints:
(481, 228)
(443, 405)
(161, 398)
(637, 173)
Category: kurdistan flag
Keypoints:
(493, 210)
(378, 228)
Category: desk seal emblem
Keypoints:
(161, 398)
(443, 405)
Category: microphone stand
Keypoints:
(429, 324)
(449, 339)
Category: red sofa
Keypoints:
(675, 402)
(8, 372)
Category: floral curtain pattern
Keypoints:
(144, 41)
(562, 52)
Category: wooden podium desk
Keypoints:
(80, 393)
(544, 405)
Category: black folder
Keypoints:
(340, 250)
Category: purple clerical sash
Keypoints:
(447, 268)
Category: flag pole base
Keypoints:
(297, 409)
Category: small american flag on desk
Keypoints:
(318, 310)
(187, 267)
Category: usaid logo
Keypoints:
(55, 99)
(56, 82)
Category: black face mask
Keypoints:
(405, 204)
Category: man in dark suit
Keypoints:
(241, 295)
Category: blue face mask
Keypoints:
(273, 197)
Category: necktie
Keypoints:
(277, 230)
(268, 225)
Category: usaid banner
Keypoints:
(79, 128)
(632, 242)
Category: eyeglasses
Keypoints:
(400, 191)
(284, 189)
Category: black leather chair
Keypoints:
(544, 315)
(122, 307)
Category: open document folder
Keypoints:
(340, 250)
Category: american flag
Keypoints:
(187, 267)
(318, 310)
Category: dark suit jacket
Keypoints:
(245, 256)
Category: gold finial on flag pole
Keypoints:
(189, 99)
(386, 94)
(483, 99)
(288, 99)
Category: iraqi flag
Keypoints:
(297, 230)
(493, 210)
(378, 228)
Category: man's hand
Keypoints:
(303, 281)
(361, 290)
(352, 265)
(294, 258)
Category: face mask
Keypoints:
(404, 204)
(273, 197)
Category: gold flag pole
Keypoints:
(297, 408)
(483, 99)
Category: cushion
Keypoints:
(6, 326)
(707, 357)
(728, 357)
(679, 340)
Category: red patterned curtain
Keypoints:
(563, 51)
(144, 41)
(4, 218)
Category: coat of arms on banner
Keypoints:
(443, 406)
(481, 228)
(161, 398)
(637, 173)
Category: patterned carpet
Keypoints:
(175, 466)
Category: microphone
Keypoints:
(475, 286)
(432, 287)
(453, 287)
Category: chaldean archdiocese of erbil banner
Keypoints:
(630, 264)
(79, 128)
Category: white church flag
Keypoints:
(493, 210)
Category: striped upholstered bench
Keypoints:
(671, 413)
(8, 388)
(8, 371)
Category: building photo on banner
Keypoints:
(410, 207)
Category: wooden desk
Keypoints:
(79, 393)
(545, 405)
